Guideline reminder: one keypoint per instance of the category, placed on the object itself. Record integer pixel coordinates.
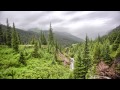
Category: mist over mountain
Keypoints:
(63, 38)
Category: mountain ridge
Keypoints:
(63, 38)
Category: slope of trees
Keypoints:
(92, 52)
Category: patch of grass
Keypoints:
(36, 68)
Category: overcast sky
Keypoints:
(77, 23)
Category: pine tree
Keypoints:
(14, 39)
(22, 58)
(1, 34)
(51, 38)
(35, 53)
(97, 54)
(79, 69)
(8, 36)
(106, 56)
(86, 55)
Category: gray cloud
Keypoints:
(77, 23)
(97, 15)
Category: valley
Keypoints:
(49, 54)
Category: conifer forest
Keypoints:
(39, 53)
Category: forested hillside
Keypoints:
(100, 57)
(65, 39)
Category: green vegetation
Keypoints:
(27, 67)
(40, 57)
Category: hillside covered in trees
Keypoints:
(63, 38)
(33, 55)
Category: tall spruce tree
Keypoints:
(97, 54)
(86, 56)
(14, 39)
(22, 58)
(50, 40)
(106, 56)
(51, 37)
(79, 69)
(8, 35)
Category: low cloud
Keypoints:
(77, 23)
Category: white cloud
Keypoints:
(75, 22)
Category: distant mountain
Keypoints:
(63, 38)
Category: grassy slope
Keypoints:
(37, 68)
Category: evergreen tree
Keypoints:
(22, 58)
(1, 34)
(97, 54)
(106, 56)
(14, 39)
(51, 38)
(79, 69)
(86, 55)
(8, 36)
(35, 53)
